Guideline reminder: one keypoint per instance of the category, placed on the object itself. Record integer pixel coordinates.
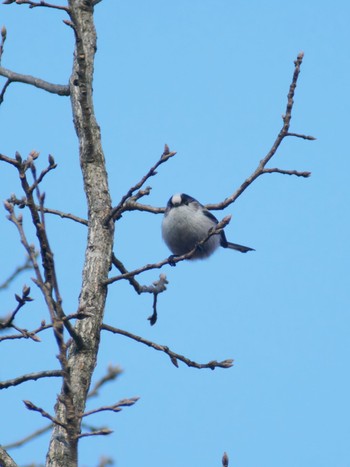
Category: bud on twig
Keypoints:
(34, 154)
(52, 161)
(3, 34)
(8, 206)
(25, 291)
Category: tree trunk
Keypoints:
(82, 359)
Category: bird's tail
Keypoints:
(235, 246)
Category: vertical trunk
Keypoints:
(82, 361)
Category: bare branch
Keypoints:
(37, 180)
(28, 438)
(117, 407)
(48, 285)
(24, 333)
(156, 288)
(172, 260)
(3, 39)
(298, 135)
(174, 357)
(120, 266)
(112, 373)
(22, 202)
(26, 265)
(286, 172)
(260, 170)
(37, 4)
(35, 408)
(21, 302)
(59, 89)
(4, 89)
(131, 205)
(116, 212)
(30, 377)
(104, 431)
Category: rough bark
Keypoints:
(82, 360)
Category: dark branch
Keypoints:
(286, 172)
(30, 377)
(47, 284)
(4, 89)
(156, 288)
(131, 205)
(37, 4)
(64, 215)
(3, 40)
(116, 211)
(113, 408)
(174, 357)
(112, 373)
(284, 132)
(21, 301)
(103, 431)
(25, 334)
(298, 135)
(61, 90)
(35, 408)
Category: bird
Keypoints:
(187, 222)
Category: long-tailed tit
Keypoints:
(187, 222)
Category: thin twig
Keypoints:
(174, 357)
(120, 266)
(37, 4)
(26, 265)
(22, 202)
(4, 89)
(35, 408)
(59, 89)
(131, 205)
(104, 431)
(24, 333)
(298, 135)
(116, 211)
(117, 407)
(3, 40)
(48, 285)
(21, 302)
(286, 172)
(156, 288)
(30, 377)
(26, 439)
(112, 373)
(261, 169)
(37, 180)
(284, 132)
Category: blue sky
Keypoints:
(210, 79)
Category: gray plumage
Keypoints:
(186, 222)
